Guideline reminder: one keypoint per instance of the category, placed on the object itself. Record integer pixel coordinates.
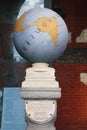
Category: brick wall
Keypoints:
(76, 18)
(73, 7)
(75, 26)
(72, 106)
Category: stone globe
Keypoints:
(40, 35)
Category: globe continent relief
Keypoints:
(40, 35)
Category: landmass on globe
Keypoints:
(43, 24)
(40, 35)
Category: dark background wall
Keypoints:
(75, 17)
(72, 106)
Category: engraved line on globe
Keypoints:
(19, 24)
(50, 26)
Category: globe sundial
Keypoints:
(40, 36)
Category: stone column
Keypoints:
(40, 91)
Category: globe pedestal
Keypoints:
(40, 35)
(40, 91)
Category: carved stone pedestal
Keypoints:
(40, 91)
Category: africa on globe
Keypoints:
(40, 35)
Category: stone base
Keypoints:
(47, 126)
(28, 93)
(40, 91)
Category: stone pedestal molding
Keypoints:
(40, 91)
